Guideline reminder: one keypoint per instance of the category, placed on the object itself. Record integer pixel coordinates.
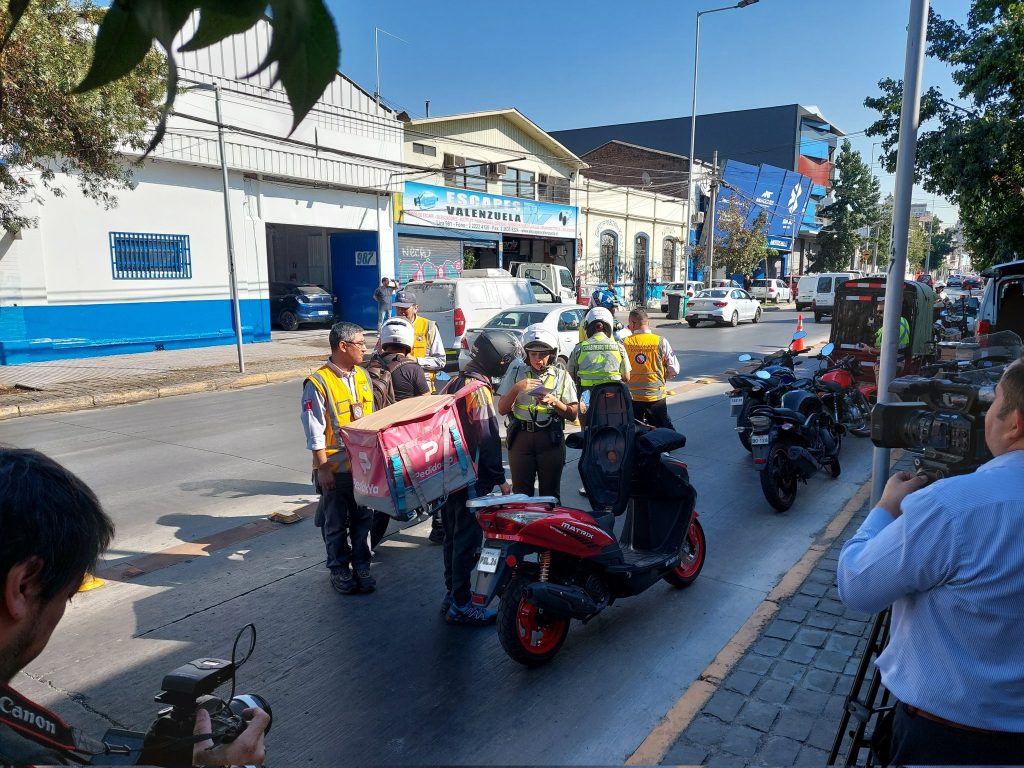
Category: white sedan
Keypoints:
(723, 305)
(561, 319)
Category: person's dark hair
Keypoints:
(639, 315)
(343, 331)
(1013, 389)
(49, 513)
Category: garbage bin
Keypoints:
(674, 306)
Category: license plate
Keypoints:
(488, 562)
(735, 401)
(759, 439)
(323, 312)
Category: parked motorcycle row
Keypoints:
(794, 426)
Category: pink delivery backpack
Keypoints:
(409, 456)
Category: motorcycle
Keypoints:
(792, 442)
(551, 564)
(839, 391)
(749, 390)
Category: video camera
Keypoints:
(169, 740)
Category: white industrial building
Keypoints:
(309, 206)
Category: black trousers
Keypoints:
(655, 414)
(462, 538)
(345, 526)
(918, 740)
(537, 456)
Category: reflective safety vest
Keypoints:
(526, 407)
(904, 334)
(646, 368)
(423, 335)
(599, 360)
(341, 409)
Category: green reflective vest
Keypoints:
(904, 334)
(599, 360)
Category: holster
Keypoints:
(512, 430)
(557, 432)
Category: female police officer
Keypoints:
(541, 397)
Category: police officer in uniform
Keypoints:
(651, 364)
(540, 397)
(427, 347)
(338, 393)
(600, 357)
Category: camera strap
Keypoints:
(38, 724)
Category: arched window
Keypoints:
(641, 268)
(609, 257)
(668, 260)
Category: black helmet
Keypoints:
(494, 351)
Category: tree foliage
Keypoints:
(304, 49)
(46, 128)
(975, 154)
(738, 247)
(855, 206)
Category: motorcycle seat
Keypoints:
(660, 440)
(829, 386)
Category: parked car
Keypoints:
(690, 289)
(564, 321)
(971, 283)
(723, 283)
(554, 277)
(456, 304)
(1002, 303)
(924, 277)
(771, 289)
(825, 292)
(292, 305)
(954, 281)
(723, 305)
(806, 287)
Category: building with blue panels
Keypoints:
(311, 206)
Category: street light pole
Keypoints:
(693, 126)
(232, 276)
(906, 156)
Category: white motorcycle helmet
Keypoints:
(539, 338)
(397, 331)
(599, 315)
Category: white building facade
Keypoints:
(310, 206)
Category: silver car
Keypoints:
(727, 306)
(563, 320)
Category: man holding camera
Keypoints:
(52, 530)
(949, 559)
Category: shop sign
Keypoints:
(429, 205)
(366, 258)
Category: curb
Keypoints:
(126, 396)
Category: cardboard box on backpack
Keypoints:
(410, 455)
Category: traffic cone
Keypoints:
(798, 344)
(90, 582)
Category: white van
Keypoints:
(825, 292)
(805, 289)
(555, 277)
(456, 304)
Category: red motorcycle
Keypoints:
(846, 398)
(551, 564)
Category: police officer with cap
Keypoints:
(540, 397)
(427, 348)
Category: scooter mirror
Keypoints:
(799, 335)
(827, 350)
(744, 358)
(763, 375)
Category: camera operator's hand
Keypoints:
(900, 485)
(247, 749)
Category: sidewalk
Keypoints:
(71, 385)
(781, 700)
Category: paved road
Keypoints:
(381, 679)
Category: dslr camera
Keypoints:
(185, 690)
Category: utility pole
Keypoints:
(232, 276)
(906, 157)
(711, 213)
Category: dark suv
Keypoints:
(292, 305)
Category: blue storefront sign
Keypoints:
(782, 195)
(463, 209)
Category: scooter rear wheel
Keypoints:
(778, 480)
(527, 635)
(692, 560)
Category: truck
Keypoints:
(555, 277)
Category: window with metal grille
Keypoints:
(144, 256)
(609, 257)
(668, 260)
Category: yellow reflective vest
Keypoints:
(904, 334)
(646, 368)
(423, 335)
(599, 360)
(341, 409)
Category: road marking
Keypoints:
(652, 750)
(165, 558)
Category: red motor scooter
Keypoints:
(551, 564)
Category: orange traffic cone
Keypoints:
(798, 344)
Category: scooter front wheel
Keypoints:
(778, 480)
(526, 634)
(692, 558)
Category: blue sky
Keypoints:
(572, 63)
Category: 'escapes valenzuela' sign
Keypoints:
(431, 206)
